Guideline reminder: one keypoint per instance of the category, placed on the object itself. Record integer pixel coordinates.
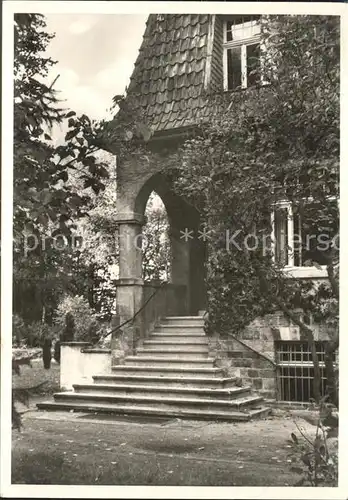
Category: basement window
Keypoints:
(295, 370)
(241, 52)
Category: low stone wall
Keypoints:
(170, 300)
(123, 343)
(79, 362)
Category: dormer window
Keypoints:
(241, 54)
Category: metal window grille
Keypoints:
(295, 372)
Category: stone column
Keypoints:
(129, 292)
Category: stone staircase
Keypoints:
(171, 375)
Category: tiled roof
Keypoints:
(169, 74)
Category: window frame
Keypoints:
(243, 43)
(290, 268)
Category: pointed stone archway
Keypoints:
(168, 88)
(188, 253)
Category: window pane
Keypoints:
(319, 224)
(281, 235)
(229, 31)
(253, 64)
(234, 68)
(242, 27)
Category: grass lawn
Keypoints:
(76, 449)
(35, 374)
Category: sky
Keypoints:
(96, 54)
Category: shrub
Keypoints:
(69, 328)
(316, 459)
(18, 330)
(85, 322)
(30, 334)
(93, 332)
(104, 337)
(34, 333)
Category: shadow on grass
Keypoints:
(43, 468)
(39, 468)
(96, 468)
(34, 375)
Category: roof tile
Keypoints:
(168, 76)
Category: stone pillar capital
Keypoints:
(129, 282)
(130, 218)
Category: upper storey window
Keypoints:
(242, 65)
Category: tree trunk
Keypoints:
(331, 375)
(316, 368)
(43, 314)
(57, 351)
(331, 378)
(91, 269)
(332, 346)
(46, 353)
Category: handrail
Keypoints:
(266, 358)
(118, 327)
(162, 283)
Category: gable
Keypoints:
(170, 73)
(179, 65)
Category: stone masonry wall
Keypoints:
(258, 371)
(239, 361)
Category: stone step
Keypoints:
(169, 360)
(169, 352)
(173, 337)
(174, 403)
(163, 391)
(179, 371)
(159, 381)
(187, 344)
(179, 329)
(170, 376)
(141, 410)
(183, 320)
